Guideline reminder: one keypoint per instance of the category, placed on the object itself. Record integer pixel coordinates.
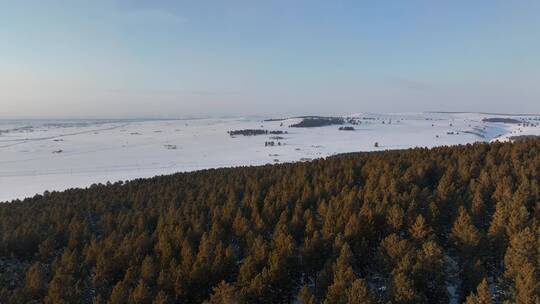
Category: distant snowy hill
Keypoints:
(39, 155)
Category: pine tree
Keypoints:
(343, 277)
(119, 294)
(224, 293)
(520, 252)
(464, 235)
(482, 295)
(279, 278)
(520, 262)
(420, 231)
(141, 294)
(479, 210)
(429, 272)
(46, 249)
(394, 218)
(165, 281)
(62, 289)
(313, 254)
(517, 220)
(98, 300)
(402, 289)
(359, 293)
(162, 298)
(527, 286)
(148, 270)
(497, 232)
(392, 250)
(305, 296)
(36, 281)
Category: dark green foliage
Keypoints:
(355, 228)
(311, 122)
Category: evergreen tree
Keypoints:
(343, 276)
(305, 296)
(119, 294)
(394, 218)
(148, 270)
(482, 294)
(359, 293)
(521, 252)
(527, 286)
(420, 231)
(224, 293)
(62, 289)
(141, 294)
(402, 289)
(429, 272)
(464, 235)
(162, 298)
(36, 281)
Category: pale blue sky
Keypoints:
(134, 58)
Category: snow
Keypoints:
(39, 155)
(453, 282)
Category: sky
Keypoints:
(166, 59)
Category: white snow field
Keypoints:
(40, 155)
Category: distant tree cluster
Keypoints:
(248, 132)
(523, 137)
(502, 119)
(348, 128)
(272, 143)
(311, 122)
(382, 227)
(253, 132)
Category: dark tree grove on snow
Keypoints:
(382, 227)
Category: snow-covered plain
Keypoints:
(39, 155)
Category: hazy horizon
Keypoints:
(262, 116)
(169, 59)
